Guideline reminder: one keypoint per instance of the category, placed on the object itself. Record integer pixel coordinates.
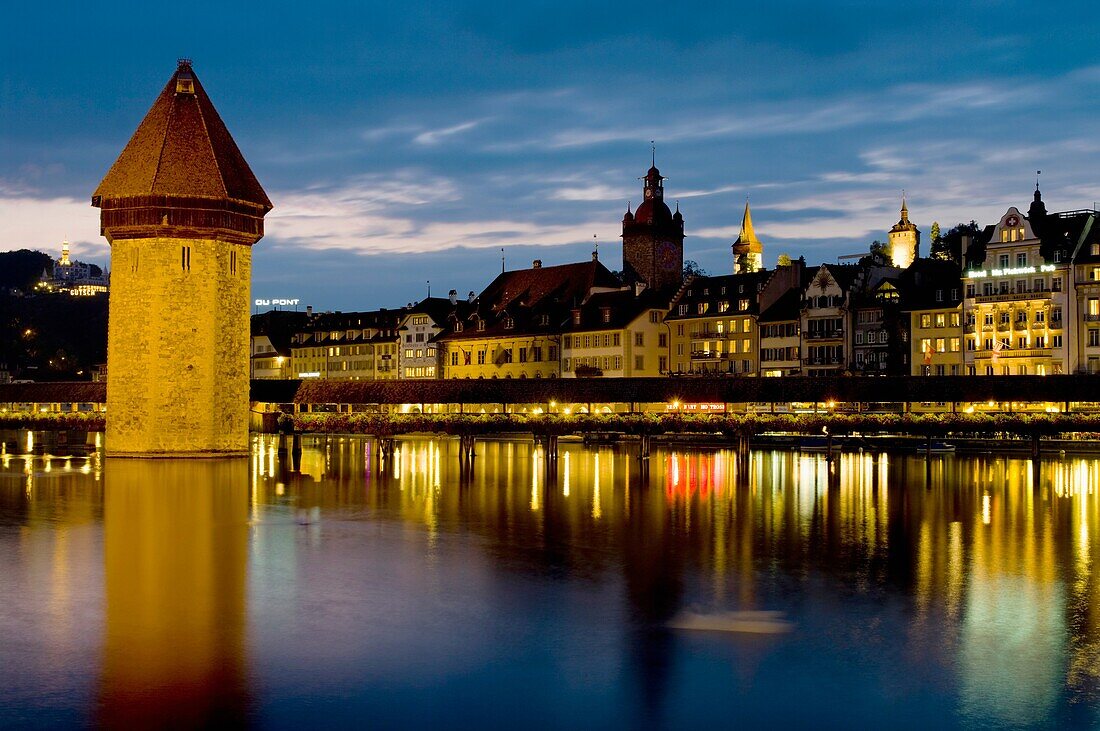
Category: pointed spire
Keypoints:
(904, 208)
(748, 234)
(652, 153)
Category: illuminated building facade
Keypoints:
(74, 277)
(616, 334)
(712, 325)
(514, 327)
(347, 346)
(932, 299)
(1019, 311)
(181, 210)
(419, 330)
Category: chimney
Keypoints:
(453, 296)
(536, 264)
(309, 310)
(471, 297)
(576, 316)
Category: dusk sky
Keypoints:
(406, 142)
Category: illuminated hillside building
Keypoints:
(903, 240)
(181, 210)
(748, 252)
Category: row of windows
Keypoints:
(603, 363)
(417, 338)
(880, 336)
(420, 372)
(504, 355)
(1004, 286)
(939, 345)
(419, 353)
(940, 319)
(780, 330)
(769, 354)
(1023, 343)
(702, 308)
(721, 327)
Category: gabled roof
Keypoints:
(727, 288)
(621, 307)
(182, 148)
(536, 300)
(279, 326)
(930, 284)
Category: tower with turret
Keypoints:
(748, 252)
(653, 238)
(181, 210)
(904, 240)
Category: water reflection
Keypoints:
(175, 554)
(963, 584)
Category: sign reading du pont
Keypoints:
(277, 302)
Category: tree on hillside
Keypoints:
(22, 269)
(948, 246)
(692, 269)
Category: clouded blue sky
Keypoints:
(402, 142)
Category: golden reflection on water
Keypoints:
(994, 566)
(175, 552)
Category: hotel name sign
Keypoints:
(985, 273)
(277, 302)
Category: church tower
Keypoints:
(748, 252)
(181, 210)
(904, 240)
(653, 239)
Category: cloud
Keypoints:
(32, 222)
(434, 137)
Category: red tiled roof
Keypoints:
(182, 148)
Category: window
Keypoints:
(1003, 261)
(523, 355)
(481, 357)
(233, 262)
(1021, 259)
(553, 352)
(662, 363)
(662, 340)
(955, 319)
(509, 323)
(1056, 341)
(1005, 317)
(954, 345)
(454, 357)
(1040, 342)
(971, 290)
(939, 295)
(971, 344)
(185, 258)
(481, 325)
(988, 320)
(615, 339)
(940, 346)
(941, 320)
(742, 305)
(1094, 337)
(654, 316)
(682, 310)
(639, 339)
(639, 362)
(1056, 284)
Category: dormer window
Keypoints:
(509, 323)
(605, 314)
(480, 325)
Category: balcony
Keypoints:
(1019, 325)
(1017, 353)
(823, 361)
(1028, 294)
(712, 355)
(824, 334)
(968, 329)
(1092, 318)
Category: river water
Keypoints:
(327, 589)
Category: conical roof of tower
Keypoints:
(748, 234)
(904, 224)
(182, 148)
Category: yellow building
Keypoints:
(616, 334)
(1019, 315)
(347, 346)
(932, 297)
(712, 325)
(514, 328)
(181, 210)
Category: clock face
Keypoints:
(666, 256)
(649, 192)
(1012, 221)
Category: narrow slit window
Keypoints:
(185, 258)
(232, 262)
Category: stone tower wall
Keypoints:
(177, 351)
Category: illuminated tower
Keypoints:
(904, 240)
(748, 252)
(653, 238)
(181, 210)
(65, 261)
